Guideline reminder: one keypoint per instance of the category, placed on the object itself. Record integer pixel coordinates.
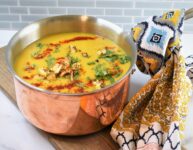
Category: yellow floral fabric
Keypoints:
(156, 114)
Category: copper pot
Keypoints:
(64, 113)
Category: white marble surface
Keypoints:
(17, 134)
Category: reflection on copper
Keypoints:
(72, 115)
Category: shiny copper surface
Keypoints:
(64, 113)
(72, 115)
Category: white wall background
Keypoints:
(14, 14)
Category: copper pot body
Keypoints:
(64, 113)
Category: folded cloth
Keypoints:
(154, 117)
(156, 38)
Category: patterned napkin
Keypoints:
(156, 38)
(154, 117)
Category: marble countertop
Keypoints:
(16, 133)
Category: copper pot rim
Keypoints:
(23, 82)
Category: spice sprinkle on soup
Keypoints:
(72, 63)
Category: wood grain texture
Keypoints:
(97, 141)
(6, 80)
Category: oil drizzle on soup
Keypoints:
(72, 63)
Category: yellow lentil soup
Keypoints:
(72, 63)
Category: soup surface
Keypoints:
(72, 63)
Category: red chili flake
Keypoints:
(57, 87)
(69, 86)
(89, 83)
(60, 87)
(79, 90)
(37, 84)
(60, 60)
(28, 77)
(43, 54)
(54, 44)
(29, 68)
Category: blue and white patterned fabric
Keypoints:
(156, 38)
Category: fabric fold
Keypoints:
(154, 117)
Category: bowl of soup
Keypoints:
(71, 73)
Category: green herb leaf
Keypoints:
(76, 74)
(118, 74)
(112, 58)
(73, 60)
(34, 65)
(108, 53)
(109, 56)
(124, 59)
(91, 63)
(100, 71)
(117, 67)
(110, 78)
(50, 61)
(88, 78)
(39, 45)
(57, 50)
(35, 53)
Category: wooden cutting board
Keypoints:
(97, 141)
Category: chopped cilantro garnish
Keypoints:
(100, 71)
(76, 74)
(108, 53)
(35, 53)
(34, 65)
(88, 78)
(109, 56)
(73, 60)
(112, 58)
(117, 67)
(124, 59)
(118, 74)
(39, 45)
(110, 78)
(57, 49)
(91, 63)
(50, 61)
